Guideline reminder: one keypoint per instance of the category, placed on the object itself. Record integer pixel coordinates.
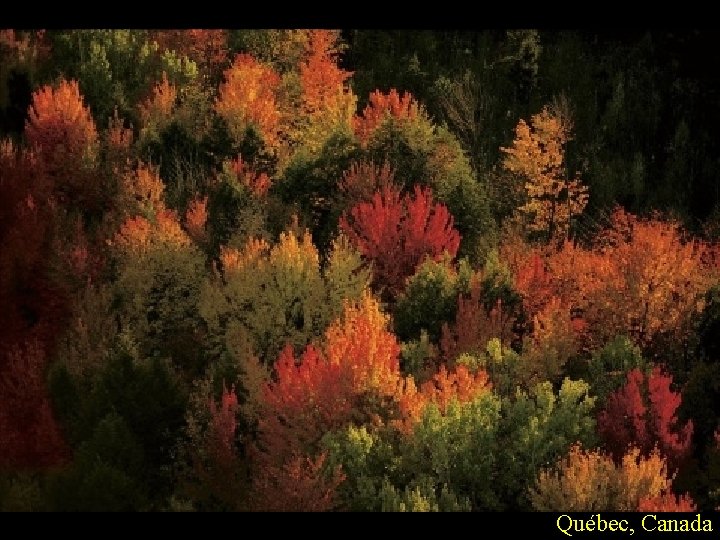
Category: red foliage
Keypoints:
(382, 106)
(30, 436)
(534, 283)
(257, 183)
(398, 232)
(643, 414)
(460, 385)
(667, 502)
(300, 485)
(33, 304)
(221, 434)
(474, 326)
(321, 392)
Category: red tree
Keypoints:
(474, 326)
(643, 414)
(30, 436)
(322, 391)
(397, 232)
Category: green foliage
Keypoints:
(234, 213)
(20, 493)
(417, 356)
(540, 427)
(159, 291)
(115, 67)
(609, 366)
(460, 459)
(709, 325)
(430, 298)
(283, 296)
(309, 183)
(129, 412)
(421, 498)
(106, 474)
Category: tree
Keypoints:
(327, 101)
(160, 276)
(430, 298)
(643, 414)
(397, 232)
(538, 156)
(588, 481)
(247, 98)
(327, 389)
(642, 278)
(61, 129)
(279, 294)
(400, 107)
(475, 325)
(31, 436)
(207, 48)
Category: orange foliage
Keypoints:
(460, 385)
(324, 390)
(118, 143)
(590, 481)
(534, 283)
(138, 234)
(257, 183)
(248, 97)
(361, 341)
(233, 259)
(382, 106)
(642, 278)
(60, 127)
(321, 79)
(158, 108)
(143, 190)
(196, 217)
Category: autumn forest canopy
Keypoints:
(361, 270)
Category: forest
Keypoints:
(359, 270)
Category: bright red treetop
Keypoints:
(397, 232)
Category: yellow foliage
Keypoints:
(538, 155)
(588, 481)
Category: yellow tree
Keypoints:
(538, 156)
